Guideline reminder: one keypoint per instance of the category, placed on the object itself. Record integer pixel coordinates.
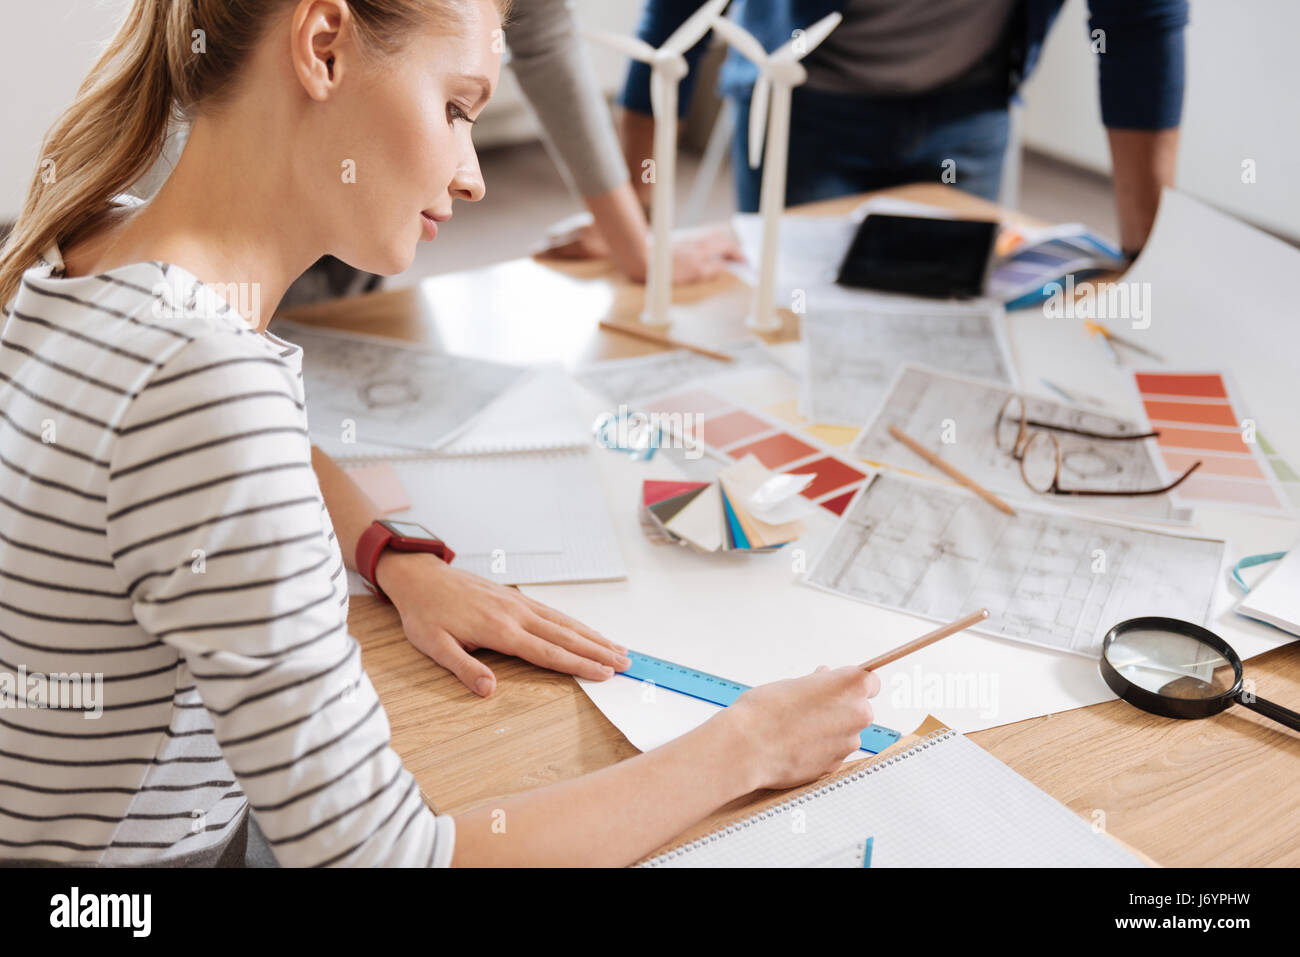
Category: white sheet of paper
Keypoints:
(853, 355)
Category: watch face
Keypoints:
(411, 530)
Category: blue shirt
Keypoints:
(1141, 72)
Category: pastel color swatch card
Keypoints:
(1198, 421)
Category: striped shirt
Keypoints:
(161, 527)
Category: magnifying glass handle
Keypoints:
(1270, 710)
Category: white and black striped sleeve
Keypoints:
(217, 528)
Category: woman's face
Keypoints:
(398, 143)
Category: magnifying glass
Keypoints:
(1179, 670)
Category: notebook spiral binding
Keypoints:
(871, 766)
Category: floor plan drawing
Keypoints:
(853, 355)
(1046, 578)
(954, 416)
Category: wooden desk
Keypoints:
(1214, 792)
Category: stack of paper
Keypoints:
(723, 515)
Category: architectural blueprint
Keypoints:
(1046, 578)
(366, 394)
(954, 416)
(854, 354)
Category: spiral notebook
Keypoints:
(941, 802)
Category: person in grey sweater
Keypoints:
(547, 57)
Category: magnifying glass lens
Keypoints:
(1179, 670)
(1170, 664)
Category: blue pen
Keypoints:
(866, 854)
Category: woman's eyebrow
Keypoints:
(485, 87)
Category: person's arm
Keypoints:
(547, 57)
(1143, 163)
(775, 736)
(1141, 75)
(447, 612)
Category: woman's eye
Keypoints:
(455, 113)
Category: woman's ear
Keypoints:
(321, 34)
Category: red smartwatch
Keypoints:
(400, 537)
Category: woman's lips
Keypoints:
(430, 226)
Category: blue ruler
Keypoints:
(715, 690)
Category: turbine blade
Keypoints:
(634, 47)
(741, 39)
(694, 27)
(811, 39)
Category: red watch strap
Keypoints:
(370, 546)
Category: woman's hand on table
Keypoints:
(447, 613)
(802, 728)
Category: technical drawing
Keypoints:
(1046, 578)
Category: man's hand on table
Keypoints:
(448, 612)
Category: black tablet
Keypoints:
(940, 258)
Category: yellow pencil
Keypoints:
(951, 472)
(974, 618)
(639, 332)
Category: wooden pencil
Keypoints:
(640, 332)
(951, 472)
(961, 624)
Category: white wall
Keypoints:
(48, 46)
(46, 49)
(1242, 100)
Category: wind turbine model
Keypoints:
(779, 73)
(667, 68)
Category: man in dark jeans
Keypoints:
(905, 91)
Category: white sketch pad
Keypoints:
(943, 802)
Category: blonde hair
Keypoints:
(150, 73)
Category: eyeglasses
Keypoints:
(1035, 446)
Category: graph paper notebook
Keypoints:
(941, 802)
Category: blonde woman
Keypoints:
(163, 523)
